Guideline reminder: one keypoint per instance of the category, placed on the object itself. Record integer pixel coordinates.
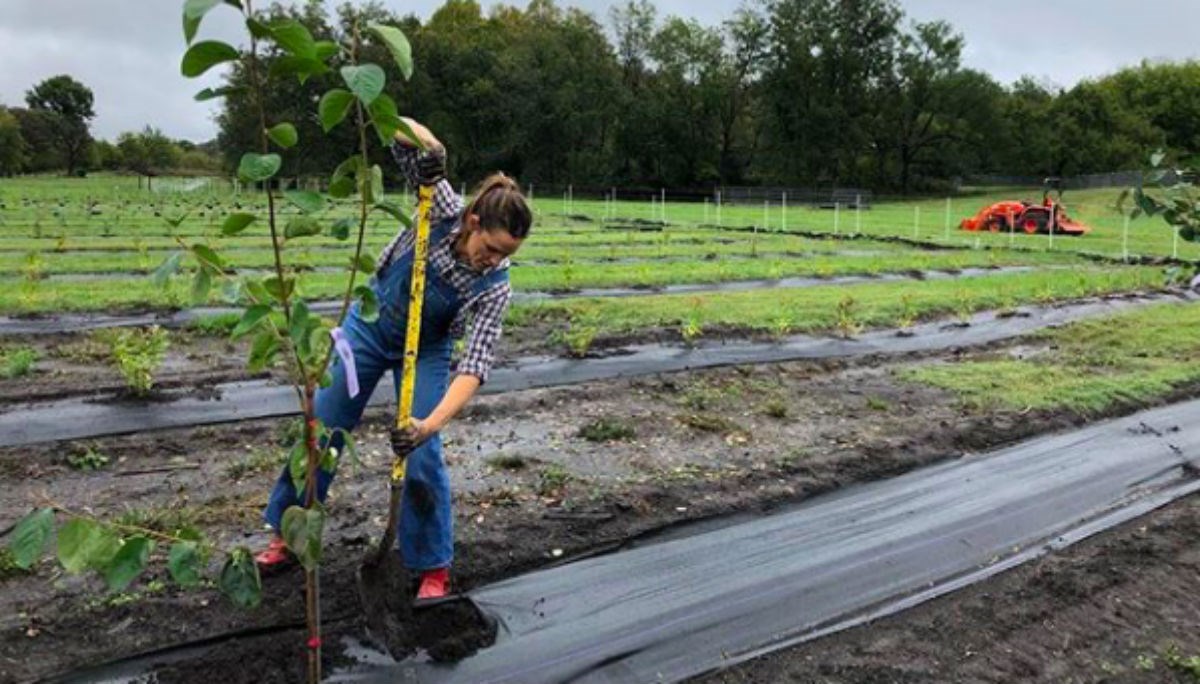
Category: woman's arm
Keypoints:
(488, 315)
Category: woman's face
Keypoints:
(483, 249)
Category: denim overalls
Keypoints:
(426, 530)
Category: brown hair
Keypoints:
(498, 203)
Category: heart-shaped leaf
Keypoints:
(284, 135)
(397, 44)
(333, 107)
(258, 167)
(204, 55)
(365, 81)
(236, 223)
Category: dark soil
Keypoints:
(1121, 607)
(530, 492)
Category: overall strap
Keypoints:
(489, 281)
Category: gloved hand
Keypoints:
(431, 165)
(405, 440)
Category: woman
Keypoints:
(466, 280)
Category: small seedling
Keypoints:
(17, 363)
(88, 460)
(580, 334)
(775, 408)
(877, 404)
(552, 480)
(847, 323)
(707, 422)
(138, 354)
(507, 461)
(964, 306)
(606, 429)
(908, 312)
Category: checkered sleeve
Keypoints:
(487, 316)
(446, 202)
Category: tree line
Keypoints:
(53, 133)
(786, 92)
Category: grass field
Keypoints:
(87, 244)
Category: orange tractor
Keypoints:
(1010, 215)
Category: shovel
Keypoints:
(383, 583)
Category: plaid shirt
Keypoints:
(486, 309)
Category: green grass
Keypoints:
(821, 309)
(1089, 367)
(16, 363)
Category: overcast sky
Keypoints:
(127, 51)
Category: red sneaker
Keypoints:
(275, 557)
(435, 584)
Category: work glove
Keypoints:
(405, 440)
(431, 165)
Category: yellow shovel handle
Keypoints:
(412, 334)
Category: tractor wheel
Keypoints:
(1033, 222)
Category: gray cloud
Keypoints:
(128, 51)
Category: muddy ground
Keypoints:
(541, 477)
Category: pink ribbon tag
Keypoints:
(342, 346)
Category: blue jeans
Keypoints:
(425, 528)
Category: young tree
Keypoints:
(71, 104)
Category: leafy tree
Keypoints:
(71, 104)
(38, 129)
(148, 152)
(12, 145)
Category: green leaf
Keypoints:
(365, 81)
(306, 200)
(262, 351)
(85, 544)
(250, 320)
(205, 55)
(168, 268)
(397, 44)
(201, 286)
(30, 537)
(231, 292)
(1157, 158)
(193, 12)
(184, 563)
(298, 329)
(341, 188)
(385, 117)
(325, 49)
(395, 211)
(301, 529)
(341, 228)
(236, 223)
(364, 264)
(293, 37)
(214, 93)
(301, 67)
(208, 259)
(371, 187)
(298, 464)
(301, 226)
(257, 291)
(258, 167)
(368, 308)
(333, 107)
(284, 135)
(280, 290)
(258, 29)
(239, 579)
(128, 562)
